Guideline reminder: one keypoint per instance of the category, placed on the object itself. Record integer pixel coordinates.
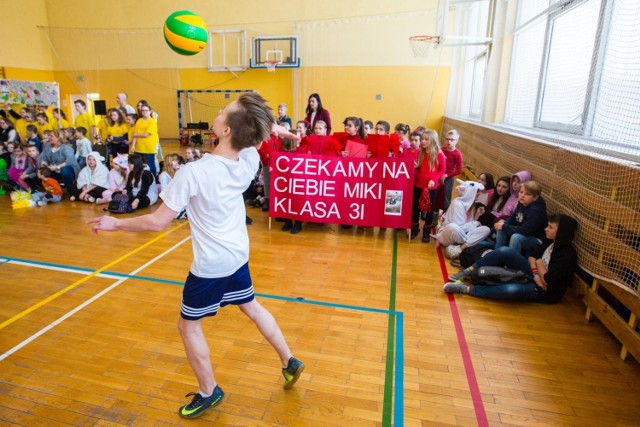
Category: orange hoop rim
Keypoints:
(421, 45)
(428, 39)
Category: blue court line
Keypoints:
(180, 283)
(399, 324)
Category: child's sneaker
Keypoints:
(199, 404)
(41, 203)
(453, 251)
(292, 372)
(461, 275)
(455, 288)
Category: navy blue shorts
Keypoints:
(203, 297)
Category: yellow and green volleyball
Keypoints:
(185, 32)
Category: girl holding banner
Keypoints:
(430, 166)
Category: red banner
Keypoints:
(342, 190)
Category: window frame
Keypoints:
(481, 57)
(555, 11)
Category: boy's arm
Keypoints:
(283, 132)
(457, 164)
(155, 221)
(12, 113)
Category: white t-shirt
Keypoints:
(546, 256)
(164, 179)
(211, 190)
(83, 147)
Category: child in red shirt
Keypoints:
(454, 166)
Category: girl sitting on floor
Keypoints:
(92, 179)
(141, 184)
(460, 228)
(117, 178)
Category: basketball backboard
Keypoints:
(283, 50)
(227, 50)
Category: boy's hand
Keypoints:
(105, 222)
(283, 132)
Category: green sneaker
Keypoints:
(200, 404)
(292, 372)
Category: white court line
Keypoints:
(87, 302)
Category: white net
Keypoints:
(271, 66)
(422, 45)
(574, 93)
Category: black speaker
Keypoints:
(100, 107)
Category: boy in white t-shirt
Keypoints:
(211, 191)
(83, 146)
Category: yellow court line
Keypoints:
(85, 278)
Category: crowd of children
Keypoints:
(39, 151)
(436, 166)
(90, 160)
(507, 213)
(483, 213)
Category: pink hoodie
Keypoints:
(512, 202)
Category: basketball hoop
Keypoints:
(421, 44)
(271, 65)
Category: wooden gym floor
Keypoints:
(88, 335)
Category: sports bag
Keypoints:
(119, 203)
(472, 254)
(491, 275)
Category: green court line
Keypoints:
(387, 404)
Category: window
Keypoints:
(575, 69)
(477, 90)
(470, 55)
(525, 74)
(565, 80)
(616, 116)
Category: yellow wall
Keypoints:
(413, 95)
(159, 87)
(349, 55)
(29, 74)
(24, 45)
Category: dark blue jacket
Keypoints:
(528, 221)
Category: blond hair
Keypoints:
(168, 163)
(431, 151)
(532, 188)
